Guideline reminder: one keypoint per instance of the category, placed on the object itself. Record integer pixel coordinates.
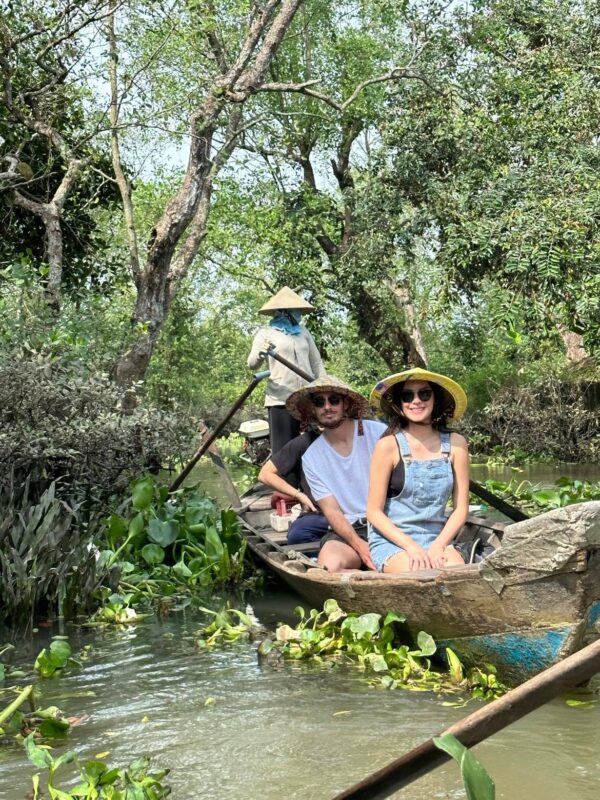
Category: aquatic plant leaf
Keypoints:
(109, 777)
(365, 625)
(14, 724)
(139, 768)
(61, 649)
(299, 611)
(393, 616)
(142, 494)
(426, 643)
(162, 532)
(213, 544)
(182, 569)
(52, 658)
(547, 497)
(478, 784)
(136, 526)
(65, 758)
(37, 755)
(581, 703)
(153, 554)
(2, 672)
(455, 666)
(94, 770)
(287, 634)
(265, 647)
(377, 662)
(244, 618)
(117, 528)
(52, 728)
(333, 611)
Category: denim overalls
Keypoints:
(419, 508)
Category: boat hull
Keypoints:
(520, 620)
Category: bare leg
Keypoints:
(400, 562)
(397, 563)
(338, 557)
(453, 557)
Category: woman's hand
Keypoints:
(305, 502)
(417, 557)
(437, 556)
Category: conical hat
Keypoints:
(380, 403)
(300, 406)
(286, 299)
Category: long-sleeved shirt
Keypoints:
(300, 350)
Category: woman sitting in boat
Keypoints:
(417, 465)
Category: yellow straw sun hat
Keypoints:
(381, 403)
(286, 298)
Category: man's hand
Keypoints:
(305, 501)
(362, 548)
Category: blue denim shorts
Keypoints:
(382, 549)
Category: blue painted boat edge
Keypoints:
(521, 654)
(515, 654)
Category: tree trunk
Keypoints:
(168, 256)
(391, 341)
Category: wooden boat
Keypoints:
(530, 603)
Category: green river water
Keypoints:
(230, 728)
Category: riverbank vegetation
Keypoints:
(425, 173)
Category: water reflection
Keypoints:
(229, 728)
(537, 473)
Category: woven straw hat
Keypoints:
(299, 404)
(286, 298)
(380, 402)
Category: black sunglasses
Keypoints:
(407, 396)
(320, 400)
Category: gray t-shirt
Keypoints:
(345, 477)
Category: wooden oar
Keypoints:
(497, 502)
(476, 488)
(532, 694)
(258, 377)
(215, 457)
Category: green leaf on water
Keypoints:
(52, 728)
(153, 554)
(392, 616)
(367, 625)
(182, 569)
(213, 544)
(38, 756)
(426, 644)
(162, 532)
(478, 784)
(142, 495)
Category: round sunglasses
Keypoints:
(320, 400)
(408, 395)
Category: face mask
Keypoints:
(295, 315)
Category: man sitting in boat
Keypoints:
(416, 468)
(311, 525)
(336, 467)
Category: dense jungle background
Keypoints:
(425, 173)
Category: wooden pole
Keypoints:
(218, 428)
(273, 354)
(497, 502)
(484, 722)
